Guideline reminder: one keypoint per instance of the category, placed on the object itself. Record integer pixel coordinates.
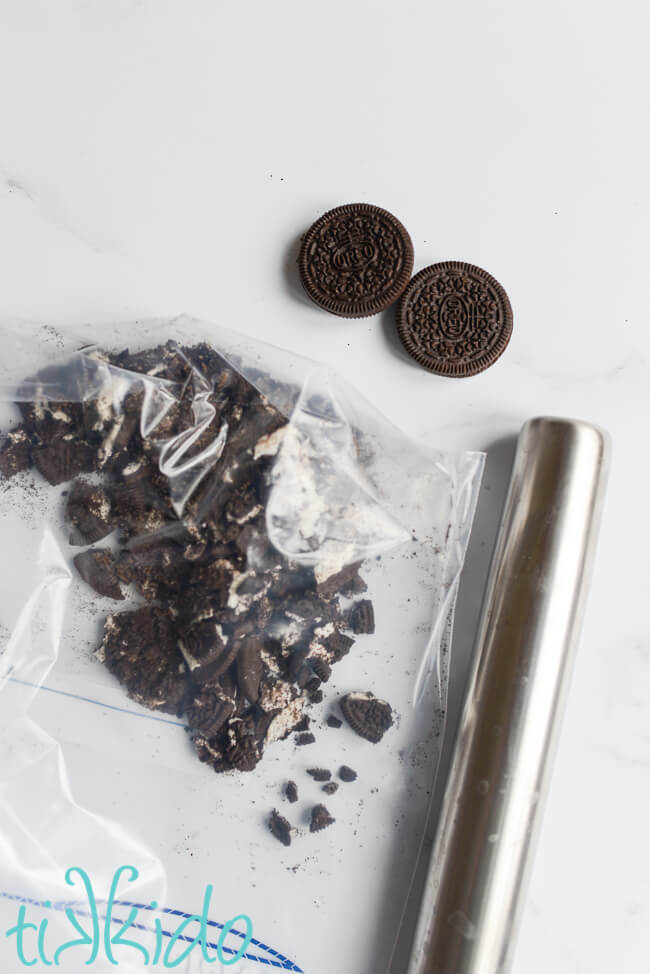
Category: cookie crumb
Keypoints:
(361, 617)
(333, 721)
(320, 818)
(291, 791)
(280, 827)
(347, 774)
(319, 774)
(302, 739)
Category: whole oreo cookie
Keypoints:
(356, 260)
(454, 319)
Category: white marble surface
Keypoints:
(165, 155)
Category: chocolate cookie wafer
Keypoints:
(454, 319)
(356, 260)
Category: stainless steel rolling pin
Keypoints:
(502, 755)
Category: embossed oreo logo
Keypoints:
(355, 260)
(454, 319)
(453, 316)
(354, 255)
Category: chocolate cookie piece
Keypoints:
(120, 445)
(322, 669)
(63, 460)
(49, 421)
(15, 453)
(320, 818)
(291, 791)
(209, 710)
(319, 774)
(156, 566)
(361, 617)
(249, 667)
(141, 500)
(97, 568)
(303, 739)
(454, 319)
(347, 581)
(333, 721)
(369, 717)
(330, 788)
(159, 362)
(347, 774)
(206, 649)
(280, 827)
(244, 747)
(338, 644)
(355, 260)
(286, 715)
(303, 723)
(89, 511)
(211, 578)
(211, 751)
(140, 649)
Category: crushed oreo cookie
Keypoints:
(330, 788)
(303, 739)
(89, 513)
(368, 717)
(173, 456)
(97, 568)
(319, 774)
(280, 827)
(291, 792)
(15, 453)
(333, 721)
(347, 774)
(361, 617)
(320, 818)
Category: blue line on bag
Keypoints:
(281, 963)
(98, 703)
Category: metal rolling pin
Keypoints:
(503, 752)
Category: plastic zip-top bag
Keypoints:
(228, 587)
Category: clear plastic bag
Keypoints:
(255, 544)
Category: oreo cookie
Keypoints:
(356, 260)
(454, 319)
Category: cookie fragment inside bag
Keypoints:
(140, 649)
(89, 512)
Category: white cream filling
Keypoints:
(107, 446)
(240, 603)
(192, 661)
(268, 446)
(60, 415)
(285, 720)
(270, 662)
(254, 511)
(104, 408)
(18, 436)
(277, 696)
